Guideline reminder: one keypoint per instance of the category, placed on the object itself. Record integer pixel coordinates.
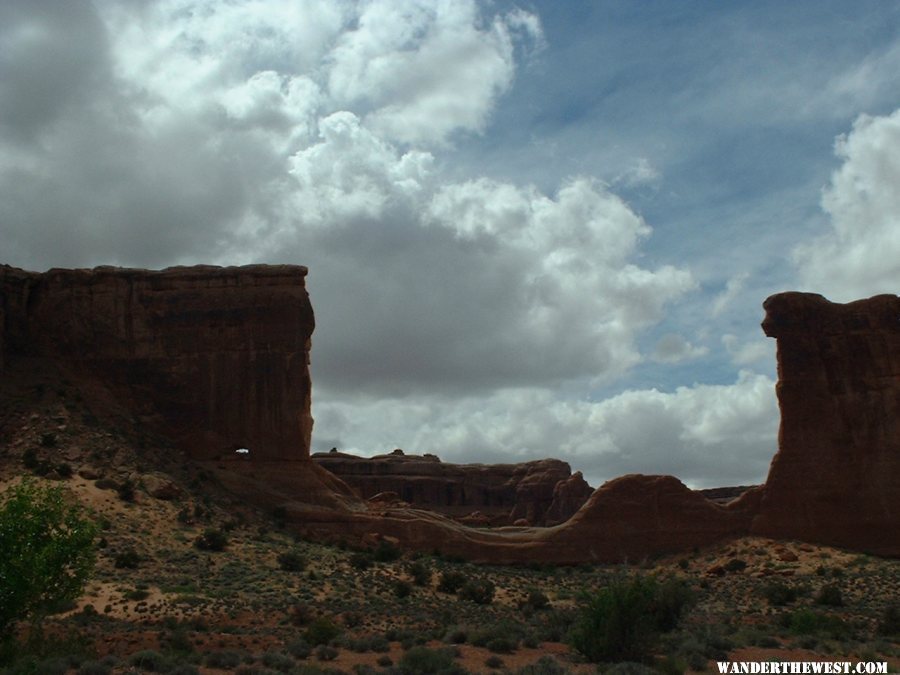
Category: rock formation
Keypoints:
(834, 479)
(217, 357)
(501, 493)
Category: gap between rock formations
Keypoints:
(217, 359)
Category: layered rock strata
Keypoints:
(217, 358)
(501, 493)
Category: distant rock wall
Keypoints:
(835, 477)
(219, 356)
(502, 493)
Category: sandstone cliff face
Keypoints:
(503, 493)
(219, 356)
(834, 479)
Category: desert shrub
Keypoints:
(386, 552)
(807, 622)
(421, 659)
(278, 661)
(127, 559)
(830, 596)
(149, 659)
(456, 636)
(361, 560)
(630, 668)
(352, 619)
(735, 565)
(889, 624)
(623, 621)
(46, 553)
(125, 489)
(212, 539)
(137, 594)
(48, 440)
(292, 561)
(321, 631)
(671, 599)
(184, 669)
(546, 665)
(326, 653)
(30, 459)
(224, 660)
(779, 593)
(94, 668)
(300, 614)
(402, 589)
(299, 648)
(451, 581)
(420, 573)
(501, 637)
(494, 662)
(64, 470)
(479, 591)
(536, 600)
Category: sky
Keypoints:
(541, 229)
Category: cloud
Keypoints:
(674, 348)
(860, 255)
(425, 69)
(707, 435)
(472, 285)
(748, 352)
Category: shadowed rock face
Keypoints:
(834, 479)
(503, 493)
(218, 357)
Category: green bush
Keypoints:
(386, 552)
(402, 588)
(224, 660)
(622, 622)
(807, 622)
(830, 596)
(420, 573)
(212, 540)
(546, 665)
(451, 581)
(889, 624)
(779, 593)
(127, 559)
(151, 660)
(423, 660)
(321, 631)
(292, 561)
(46, 552)
(479, 591)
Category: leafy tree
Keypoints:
(46, 552)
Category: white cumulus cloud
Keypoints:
(860, 255)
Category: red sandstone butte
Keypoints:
(501, 493)
(836, 477)
(219, 354)
(217, 358)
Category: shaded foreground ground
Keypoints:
(238, 608)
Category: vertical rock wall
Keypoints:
(218, 355)
(836, 476)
